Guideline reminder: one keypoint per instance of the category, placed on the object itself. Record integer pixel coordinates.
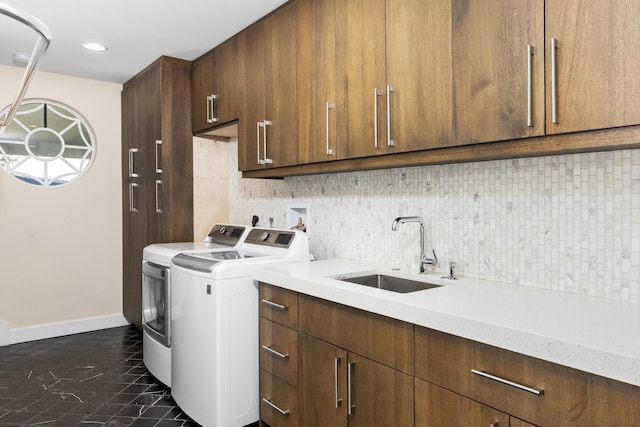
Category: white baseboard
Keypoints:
(4, 333)
(58, 329)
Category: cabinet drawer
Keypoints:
(279, 351)
(567, 396)
(385, 340)
(279, 305)
(278, 402)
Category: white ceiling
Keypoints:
(135, 31)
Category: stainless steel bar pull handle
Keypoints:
(507, 382)
(208, 104)
(132, 171)
(275, 352)
(264, 131)
(376, 93)
(275, 305)
(350, 406)
(336, 366)
(259, 125)
(496, 424)
(132, 190)
(158, 196)
(282, 411)
(554, 82)
(530, 86)
(330, 106)
(211, 108)
(158, 156)
(390, 142)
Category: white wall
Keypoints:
(568, 223)
(210, 185)
(60, 248)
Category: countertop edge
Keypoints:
(546, 347)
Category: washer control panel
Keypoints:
(228, 235)
(270, 237)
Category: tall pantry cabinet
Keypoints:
(157, 168)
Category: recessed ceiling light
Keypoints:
(94, 46)
(21, 58)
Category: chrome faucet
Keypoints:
(424, 261)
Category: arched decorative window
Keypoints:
(47, 143)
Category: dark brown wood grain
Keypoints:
(570, 398)
(156, 105)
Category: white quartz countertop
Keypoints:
(592, 334)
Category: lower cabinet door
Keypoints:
(379, 396)
(338, 388)
(323, 386)
(436, 406)
(278, 402)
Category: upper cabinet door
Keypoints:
(280, 136)
(360, 29)
(214, 86)
(394, 60)
(141, 124)
(417, 93)
(498, 70)
(320, 104)
(251, 78)
(202, 85)
(592, 68)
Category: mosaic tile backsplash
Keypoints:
(569, 223)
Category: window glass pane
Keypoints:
(47, 143)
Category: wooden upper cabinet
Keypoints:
(214, 86)
(268, 132)
(201, 90)
(251, 76)
(320, 103)
(498, 70)
(394, 60)
(596, 55)
(141, 123)
(360, 60)
(280, 137)
(418, 69)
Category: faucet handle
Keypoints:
(435, 258)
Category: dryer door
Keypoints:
(156, 314)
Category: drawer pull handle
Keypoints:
(275, 353)
(507, 382)
(275, 305)
(282, 411)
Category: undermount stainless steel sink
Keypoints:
(389, 283)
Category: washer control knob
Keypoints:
(223, 230)
(264, 236)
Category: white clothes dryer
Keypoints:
(214, 316)
(156, 293)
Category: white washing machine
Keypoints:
(214, 316)
(156, 293)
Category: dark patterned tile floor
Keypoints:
(90, 379)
